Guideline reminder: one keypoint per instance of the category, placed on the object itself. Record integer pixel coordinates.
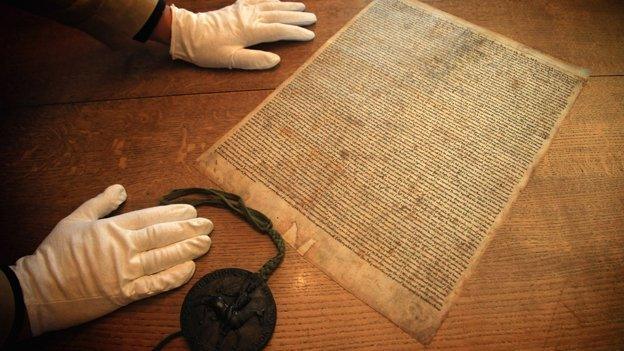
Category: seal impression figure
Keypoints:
(228, 309)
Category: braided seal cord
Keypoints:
(218, 198)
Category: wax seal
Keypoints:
(228, 309)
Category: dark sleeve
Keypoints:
(113, 22)
(144, 33)
(14, 308)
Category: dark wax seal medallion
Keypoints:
(228, 309)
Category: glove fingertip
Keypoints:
(311, 19)
(301, 34)
(271, 60)
(311, 35)
(204, 242)
(188, 268)
(181, 211)
(298, 6)
(184, 273)
(254, 59)
(207, 226)
(117, 193)
(195, 247)
(188, 211)
(177, 276)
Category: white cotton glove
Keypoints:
(219, 38)
(88, 267)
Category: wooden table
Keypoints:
(77, 117)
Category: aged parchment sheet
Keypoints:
(391, 156)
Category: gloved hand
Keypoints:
(219, 38)
(88, 267)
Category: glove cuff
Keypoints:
(177, 48)
(185, 30)
(19, 310)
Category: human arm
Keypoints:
(14, 325)
(221, 38)
(112, 22)
(215, 39)
(89, 266)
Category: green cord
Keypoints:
(218, 198)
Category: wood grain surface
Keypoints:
(46, 63)
(551, 279)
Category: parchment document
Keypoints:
(391, 156)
